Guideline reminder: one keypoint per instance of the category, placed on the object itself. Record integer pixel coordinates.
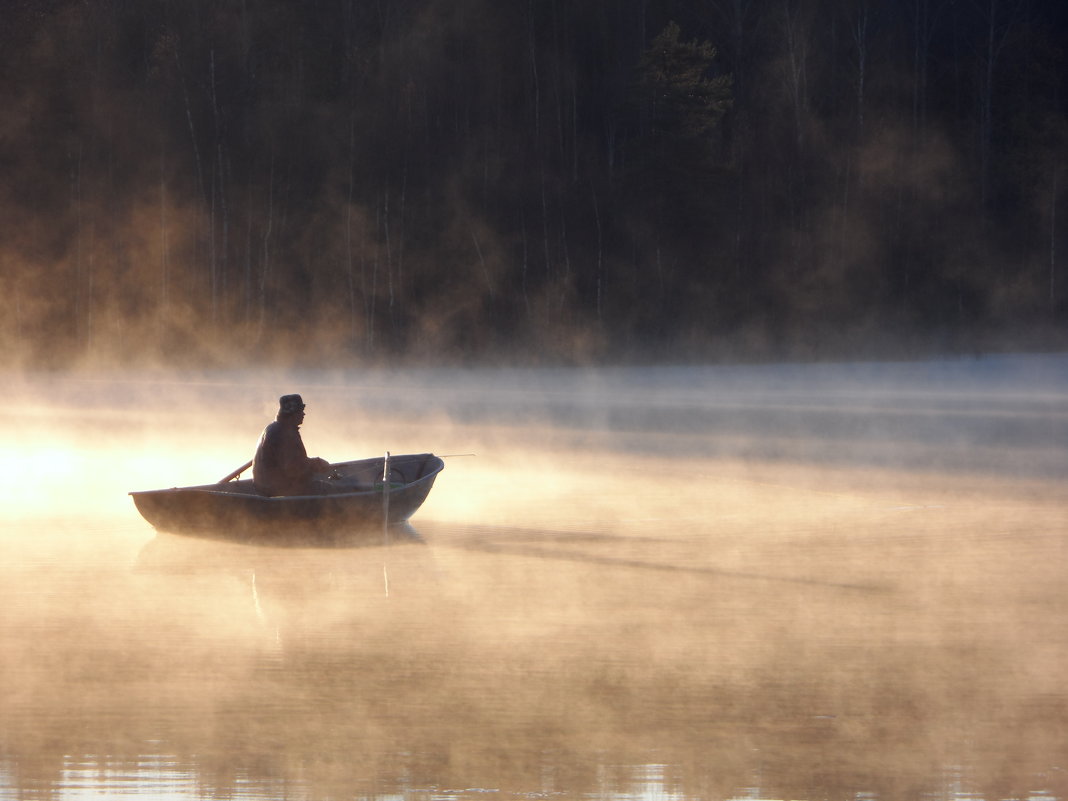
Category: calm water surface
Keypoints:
(802, 583)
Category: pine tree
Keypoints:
(683, 100)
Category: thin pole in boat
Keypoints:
(385, 518)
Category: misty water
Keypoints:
(806, 581)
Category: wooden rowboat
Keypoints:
(236, 510)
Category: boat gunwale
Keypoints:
(211, 489)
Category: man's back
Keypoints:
(281, 465)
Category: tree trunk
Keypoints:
(349, 271)
(986, 104)
(1053, 240)
(76, 202)
(224, 282)
(600, 260)
(266, 255)
(524, 277)
(860, 39)
(535, 87)
(218, 189)
(248, 263)
(924, 19)
(796, 75)
(482, 264)
(995, 40)
(164, 260)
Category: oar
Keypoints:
(237, 472)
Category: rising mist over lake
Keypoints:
(764, 582)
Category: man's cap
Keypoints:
(290, 404)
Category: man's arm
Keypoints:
(296, 462)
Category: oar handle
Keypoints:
(237, 472)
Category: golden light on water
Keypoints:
(45, 465)
(63, 470)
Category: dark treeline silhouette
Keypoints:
(357, 180)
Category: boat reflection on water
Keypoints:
(171, 545)
(290, 585)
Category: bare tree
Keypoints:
(860, 27)
(997, 22)
(925, 16)
(795, 38)
(265, 265)
(1053, 237)
(164, 249)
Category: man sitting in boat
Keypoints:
(282, 465)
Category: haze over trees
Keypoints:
(354, 181)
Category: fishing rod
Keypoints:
(385, 521)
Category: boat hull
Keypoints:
(235, 510)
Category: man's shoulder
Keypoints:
(280, 429)
(273, 431)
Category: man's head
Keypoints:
(291, 407)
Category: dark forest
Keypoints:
(543, 181)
